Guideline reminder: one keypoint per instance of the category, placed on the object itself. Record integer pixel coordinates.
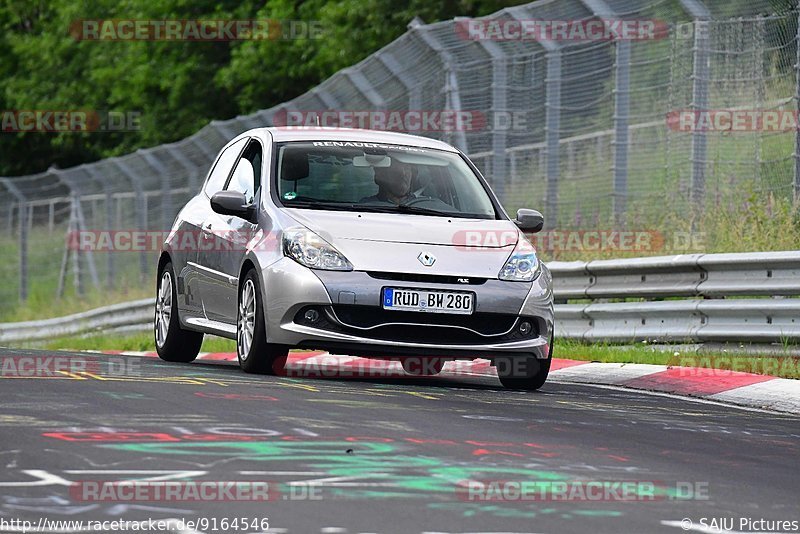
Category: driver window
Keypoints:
(246, 176)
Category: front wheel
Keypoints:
(255, 354)
(524, 372)
(173, 343)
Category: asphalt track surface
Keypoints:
(378, 455)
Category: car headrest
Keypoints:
(295, 166)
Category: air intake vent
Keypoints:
(428, 278)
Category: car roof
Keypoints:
(318, 133)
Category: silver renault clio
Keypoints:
(357, 242)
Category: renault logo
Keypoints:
(426, 259)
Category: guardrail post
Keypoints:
(622, 101)
(552, 135)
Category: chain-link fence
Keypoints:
(593, 132)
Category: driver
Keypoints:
(394, 183)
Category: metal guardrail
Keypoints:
(707, 316)
(695, 286)
(124, 314)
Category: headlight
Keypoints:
(522, 265)
(307, 248)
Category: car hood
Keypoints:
(406, 228)
(394, 242)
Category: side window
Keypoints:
(246, 176)
(216, 181)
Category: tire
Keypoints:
(422, 366)
(520, 372)
(173, 343)
(254, 353)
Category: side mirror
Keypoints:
(529, 220)
(232, 203)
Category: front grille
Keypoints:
(427, 278)
(488, 324)
(416, 327)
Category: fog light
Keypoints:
(312, 316)
(525, 328)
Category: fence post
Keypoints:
(451, 88)
(552, 134)
(363, 85)
(167, 215)
(22, 214)
(700, 79)
(192, 180)
(499, 121)
(23, 251)
(499, 131)
(109, 218)
(622, 99)
(141, 211)
(51, 216)
(700, 103)
(797, 104)
(403, 75)
(10, 218)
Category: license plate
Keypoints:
(423, 300)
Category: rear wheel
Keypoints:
(255, 354)
(422, 366)
(524, 372)
(173, 343)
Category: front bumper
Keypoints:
(289, 289)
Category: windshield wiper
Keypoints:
(405, 208)
(310, 202)
(342, 205)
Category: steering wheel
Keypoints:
(415, 201)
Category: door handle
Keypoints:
(206, 228)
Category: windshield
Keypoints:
(355, 176)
